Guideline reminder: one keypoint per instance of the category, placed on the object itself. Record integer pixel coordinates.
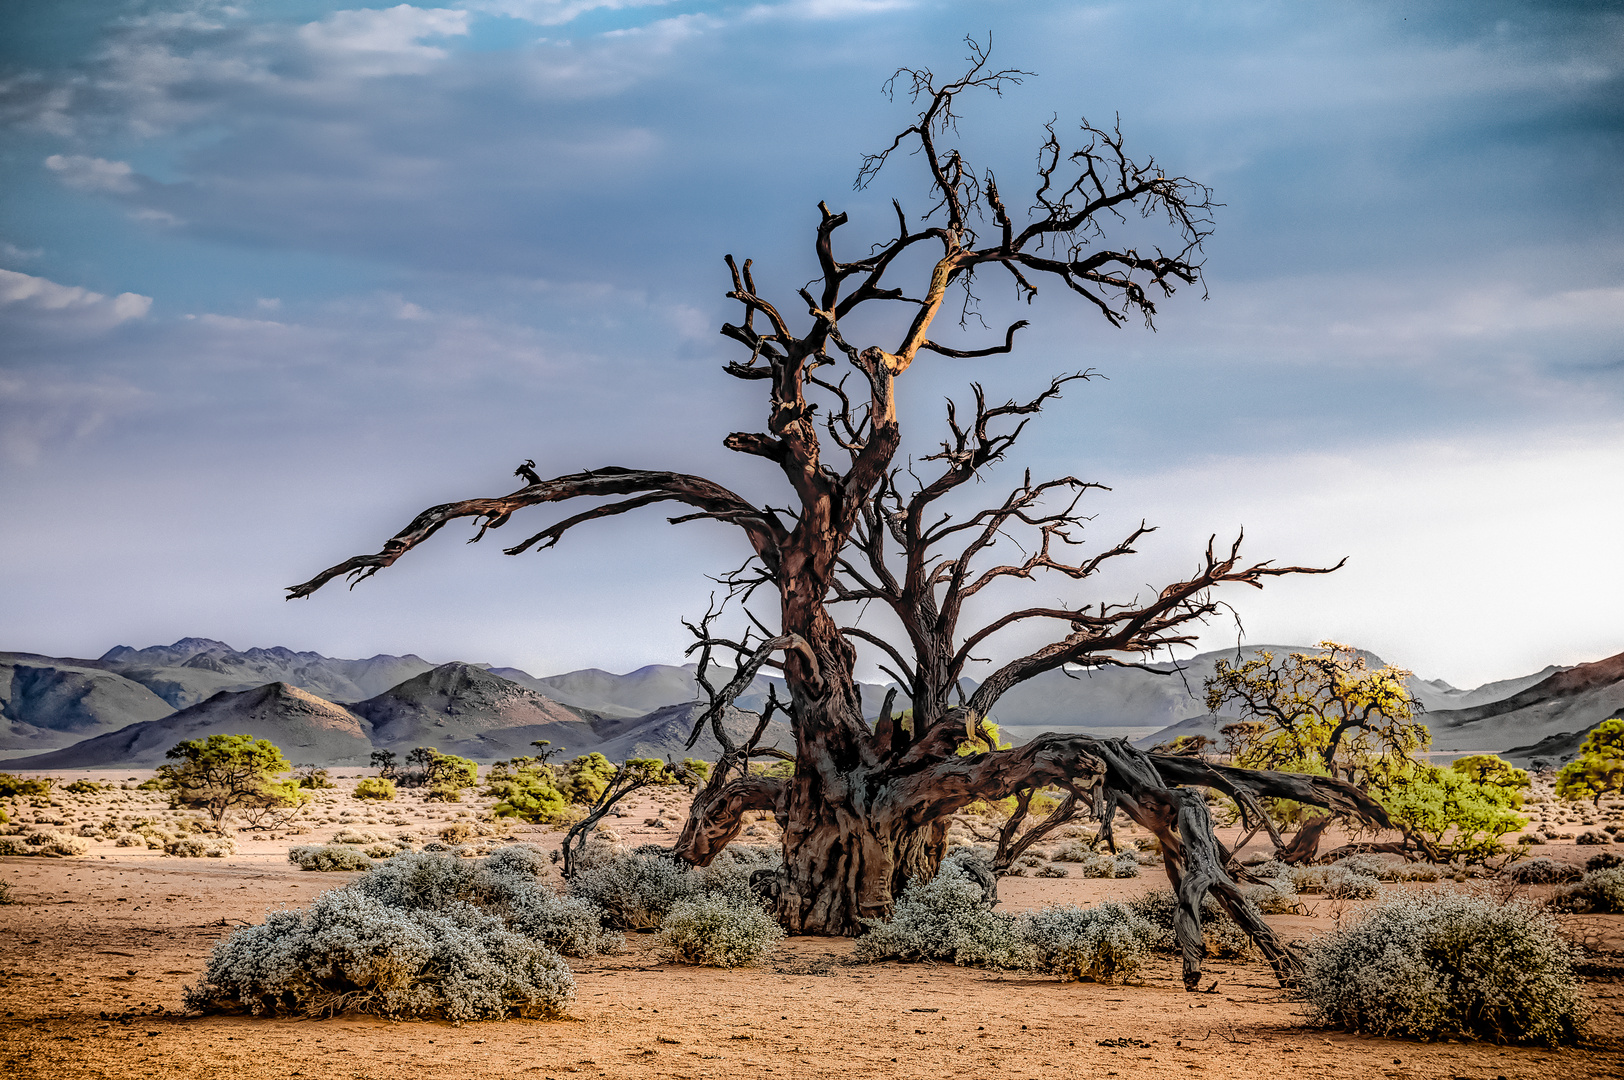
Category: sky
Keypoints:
(276, 276)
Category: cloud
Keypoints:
(16, 254)
(39, 412)
(552, 12)
(95, 174)
(1455, 548)
(25, 296)
(368, 43)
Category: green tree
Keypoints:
(384, 762)
(229, 772)
(1460, 815)
(1491, 770)
(445, 775)
(526, 788)
(586, 777)
(1599, 768)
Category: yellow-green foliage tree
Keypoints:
(223, 773)
(1326, 713)
(1599, 768)
(526, 788)
(1331, 714)
(586, 777)
(445, 775)
(376, 788)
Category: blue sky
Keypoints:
(275, 276)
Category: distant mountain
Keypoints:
(647, 689)
(486, 713)
(305, 727)
(1571, 700)
(48, 702)
(1559, 749)
(468, 710)
(1160, 698)
(195, 668)
(664, 733)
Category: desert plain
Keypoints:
(96, 950)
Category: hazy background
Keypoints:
(275, 277)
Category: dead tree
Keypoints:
(864, 806)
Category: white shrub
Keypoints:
(328, 858)
(351, 952)
(719, 930)
(1106, 943)
(49, 844)
(194, 847)
(1274, 896)
(946, 919)
(1224, 938)
(636, 889)
(1436, 966)
(1599, 892)
(1345, 884)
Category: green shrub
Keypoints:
(1447, 966)
(586, 777)
(718, 930)
(376, 788)
(352, 953)
(328, 857)
(1599, 892)
(87, 787)
(16, 787)
(1107, 944)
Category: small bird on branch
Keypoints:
(528, 471)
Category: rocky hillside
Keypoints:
(305, 727)
(1572, 700)
(48, 702)
(196, 668)
(468, 710)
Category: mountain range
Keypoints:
(129, 706)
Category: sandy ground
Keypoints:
(96, 951)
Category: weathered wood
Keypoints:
(865, 809)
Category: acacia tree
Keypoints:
(866, 803)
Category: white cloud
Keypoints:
(36, 295)
(552, 12)
(17, 254)
(389, 42)
(1468, 560)
(93, 173)
(39, 411)
(817, 10)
